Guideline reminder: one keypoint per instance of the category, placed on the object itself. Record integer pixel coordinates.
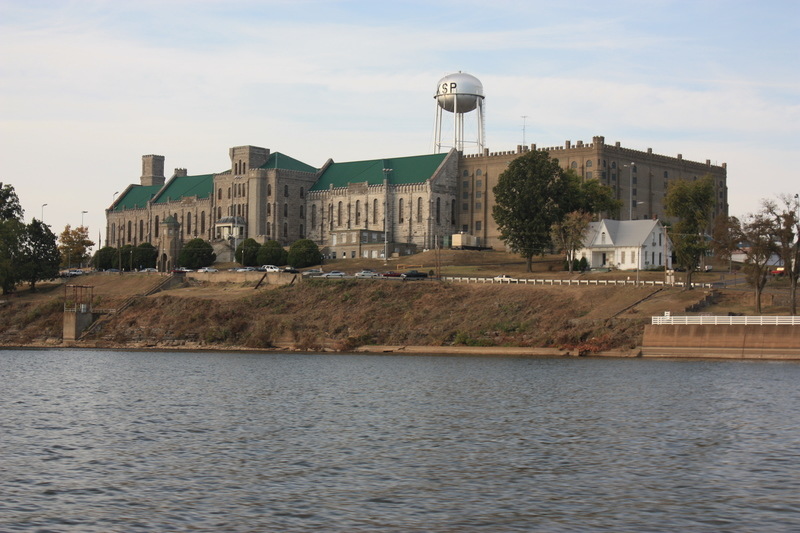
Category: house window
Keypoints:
(302, 212)
(478, 184)
(478, 225)
(285, 210)
(375, 211)
(358, 212)
(574, 164)
(477, 194)
(589, 175)
(438, 209)
(188, 223)
(419, 209)
(285, 191)
(589, 163)
(465, 194)
(400, 211)
(622, 258)
(477, 206)
(339, 214)
(466, 184)
(465, 207)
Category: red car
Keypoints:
(391, 274)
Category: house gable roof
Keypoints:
(620, 233)
(412, 169)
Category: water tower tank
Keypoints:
(459, 92)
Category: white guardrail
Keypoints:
(726, 320)
(537, 281)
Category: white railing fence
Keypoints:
(726, 320)
(577, 282)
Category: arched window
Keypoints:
(358, 212)
(269, 227)
(479, 172)
(313, 215)
(375, 211)
(269, 210)
(466, 173)
(588, 163)
(302, 192)
(269, 189)
(188, 223)
(302, 212)
(613, 164)
(141, 230)
(339, 215)
(574, 164)
(400, 211)
(302, 232)
(330, 215)
(453, 212)
(419, 209)
(666, 174)
(130, 234)
(114, 233)
(285, 210)
(229, 193)
(286, 191)
(219, 213)
(285, 230)
(219, 194)
(438, 210)
(202, 222)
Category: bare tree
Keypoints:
(568, 235)
(755, 232)
(786, 228)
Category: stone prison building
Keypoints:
(373, 208)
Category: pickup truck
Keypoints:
(413, 274)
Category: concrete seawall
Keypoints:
(722, 341)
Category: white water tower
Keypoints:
(459, 94)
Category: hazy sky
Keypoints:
(88, 87)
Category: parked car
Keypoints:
(312, 272)
(333, 274)
(246, 269)
(149, 269)
(504, 278)
(207, 269)
(290, 270)
(270, 268)
(414, 274)
(181, 270)
(391, 274)
(367, 273)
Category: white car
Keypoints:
(367, 273)
(246, 269)
(207, 269)
(333, 274)
(270, 268)
(505, 278)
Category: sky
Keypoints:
(89, 86)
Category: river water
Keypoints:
(156, 441)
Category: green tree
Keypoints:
(247, 252)
(725, 237)
(272, 253)
(74, 245)
(39, 258)
(10, 208)
(590, 196)
(105, 258)
(692, 203)
(304, 253)
(531, 195)
(569, 234)
(124, 259)
(12, 232)
(197, 253)
(145, 255)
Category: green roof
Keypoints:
(413, 169)
(136, 197)
(185, 186)
(284, 162)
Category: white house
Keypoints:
(627, 245)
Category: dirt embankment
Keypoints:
(345, 314)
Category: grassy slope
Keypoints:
(340, 314)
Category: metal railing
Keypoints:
(726, 320)
(595, 282)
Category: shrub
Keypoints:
(304, 253)
(272, 253)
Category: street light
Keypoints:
(43, 206)
(83, 213)
(113, 198)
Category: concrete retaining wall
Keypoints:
(735, 341)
